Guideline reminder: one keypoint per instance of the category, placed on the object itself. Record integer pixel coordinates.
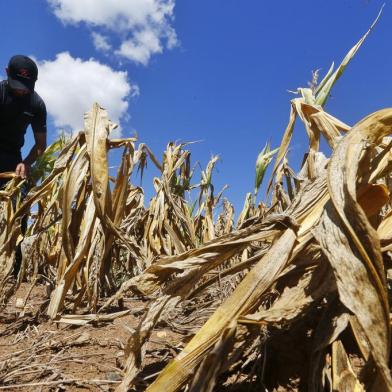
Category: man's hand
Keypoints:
(22, 170)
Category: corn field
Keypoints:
(310, 266)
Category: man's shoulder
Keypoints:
(37, 102)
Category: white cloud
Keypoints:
(143, 26)
(69, 87)
(140, 47)
(101, 42)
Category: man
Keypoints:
(20, 106)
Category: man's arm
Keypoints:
(39, 129)
(23, 168)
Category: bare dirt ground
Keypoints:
(42, 355)
(37, 354)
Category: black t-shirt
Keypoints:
(16, 114)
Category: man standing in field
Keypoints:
(20, 106)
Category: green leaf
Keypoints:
(262, 162)
(324, 92)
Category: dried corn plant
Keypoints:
(84, 230)
(284, 295)
(315, 252)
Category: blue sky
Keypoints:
(210, 70)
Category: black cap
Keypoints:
(22, 73)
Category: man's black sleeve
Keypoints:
(38, 124)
